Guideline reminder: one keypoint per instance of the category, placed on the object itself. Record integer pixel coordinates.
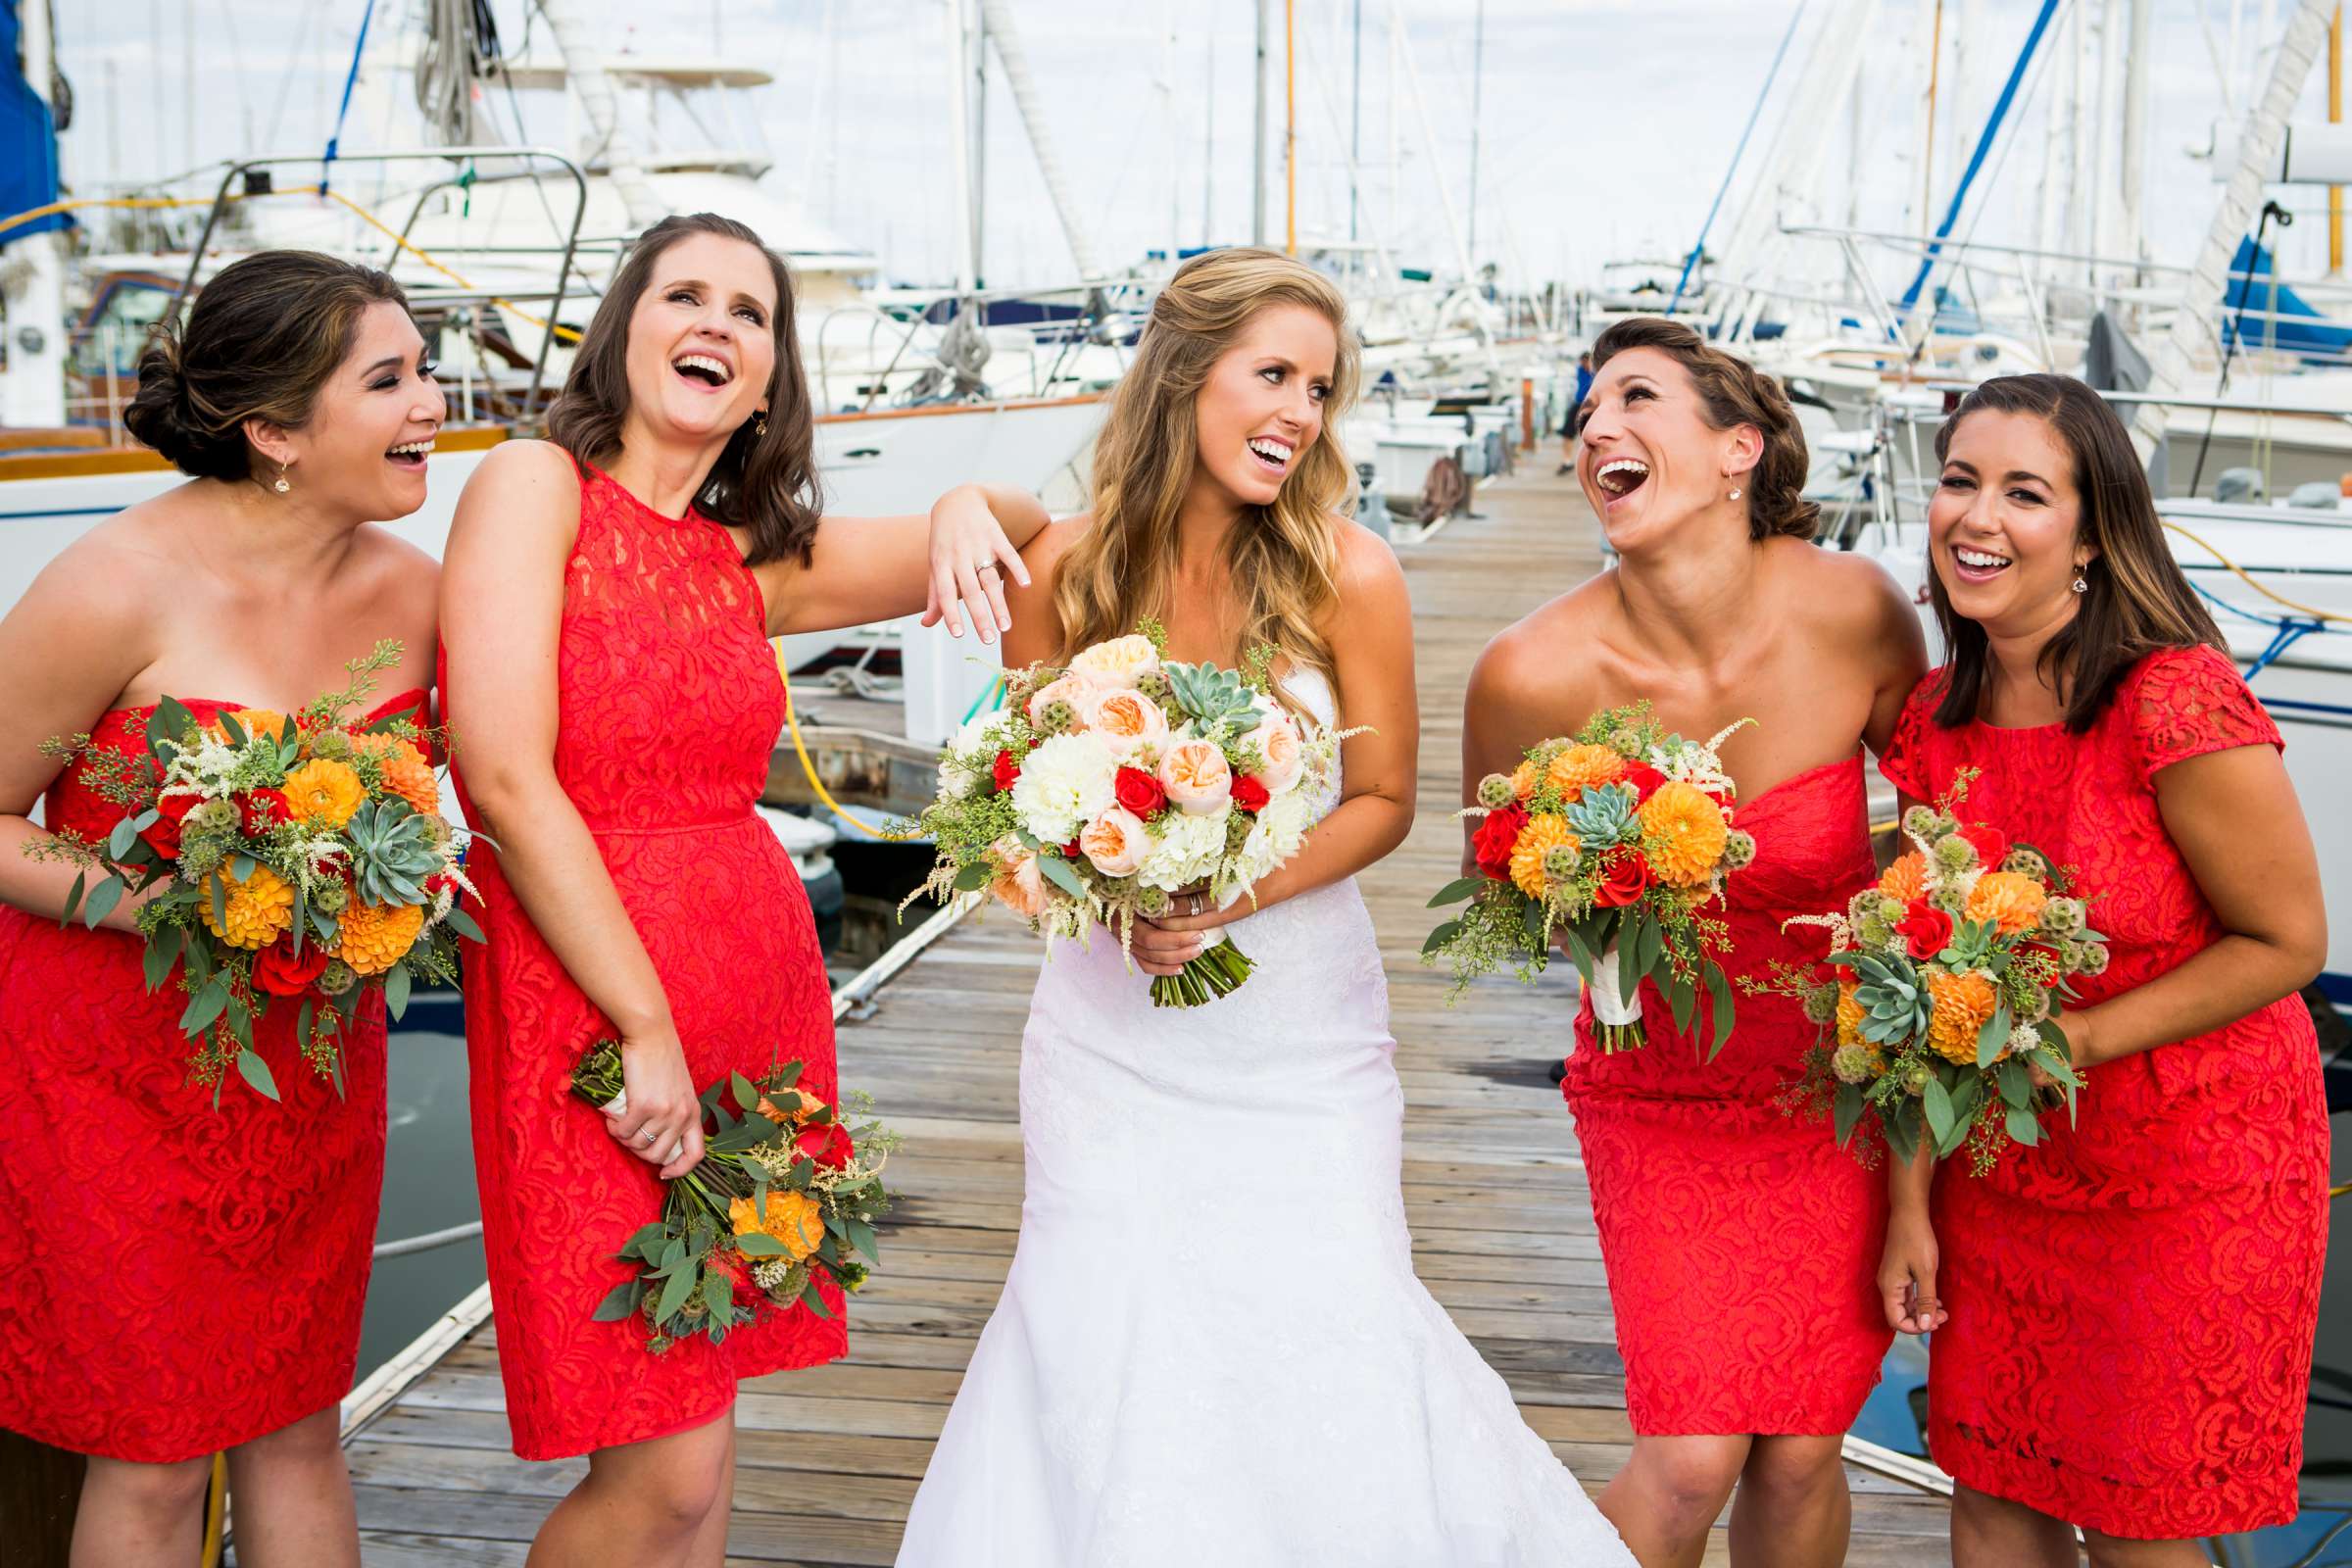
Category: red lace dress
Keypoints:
(2133, 1304)
(668, 705)
(1741, 1246)
(176, 1279)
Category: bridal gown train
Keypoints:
(1212, 1346)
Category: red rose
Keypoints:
(1644, 779)
(276, 970)
(262, 810)
(1991, 847)
(1139, 792)
(1495, 838)
(1006, 769)
(1926, 930)
(162, 834)
(826, 1142)
(1627, 879)
(1072, 850)
(1248, 793)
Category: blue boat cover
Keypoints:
(2298, 328)
(28, 141)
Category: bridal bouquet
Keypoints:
(786, 1194)
(303, 859)
(1613, 840)
(1108, 785)
(1938, 1007)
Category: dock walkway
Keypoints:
(830, 1457)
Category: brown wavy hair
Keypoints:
(763, 484)
(2135, 598)
(261, 340)
(1733, 393)
(1282, 558)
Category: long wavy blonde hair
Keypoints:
(1282, 558)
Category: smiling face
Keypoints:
(702, 346)
(363, 449)
(1262, 407)
(1649, 459)
(2003, 526)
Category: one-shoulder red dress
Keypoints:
(1742, 1244)
(2133, 1304)
(668, 706)
(175, 1279)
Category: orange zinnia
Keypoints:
(1849, 1015)
(254, 910)
(1581, 767)
(406, 773)
(1906, 879)
(1683, 834)
(252, 721)
(2010, 900)
(794, 1219)
(1544, 833)
(324, 794)
(1963, 1001)
(376, 937)
(1524, 779)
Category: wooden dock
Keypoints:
(830, 1457)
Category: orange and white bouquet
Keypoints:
(1940, 1002)
(1108, 785)
(1613, 840)
(302, 860)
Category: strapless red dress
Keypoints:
(669, 708)
(2133, 1304)
(1742, 1244)
(173, 1278)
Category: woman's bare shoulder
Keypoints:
(1534, 661)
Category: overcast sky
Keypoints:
(1605, 126)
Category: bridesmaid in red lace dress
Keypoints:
(609, 600)
(183, 1280)
(1738, 1245)
(2125, 1337)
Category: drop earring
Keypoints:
(2080, 585)
(279, 484)
(759, 424)
(1734, 492)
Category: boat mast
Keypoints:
(1005, 39)
(960, 152)
(1258, 152)
(2195, 324)
(1478, 84)
(584, 70)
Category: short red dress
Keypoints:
(175, 1279)
(1742, 1244)
(668, 706)
(2132, 1302)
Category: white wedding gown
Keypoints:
(1212, 1347)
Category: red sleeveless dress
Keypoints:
(1742, 1244)
(668, 706)
(2133, 1304)
(175, 1279)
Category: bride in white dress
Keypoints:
(1212, 1347)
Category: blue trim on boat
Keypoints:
(60, 511)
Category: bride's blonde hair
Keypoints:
(1281, 558)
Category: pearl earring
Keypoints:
(279, 484)
(1734, 492)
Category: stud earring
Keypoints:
(279, 484)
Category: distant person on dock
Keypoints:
(1173, 1378)
(1741, 1246)
(1575, 411)
(181, 1279)
(2123, 1336)
(609, 601)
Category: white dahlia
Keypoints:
(1064, 784)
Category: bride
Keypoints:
(1212, 1346)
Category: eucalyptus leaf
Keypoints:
(1439, 937)
(256, 1073)
(814, 1302)
(162, 952)
(1456, 891)
(1056, 870)
(618, 1305)
(973, 877)
(230, 727)
(675, 1293)
(1847, 1111)
(1719, 991)
(205, 1006)
(120, 841)
(861, 1237)
(2024, 1128)
(1937, 1103)
(1993, 1037)
(396, 990)
(103, 899)
(72, 897)
(463, 923)
(2016, 1087)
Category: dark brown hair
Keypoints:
(259, 343)
(2137, 598)
(1734, 393)
(765, 484)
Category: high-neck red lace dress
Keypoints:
(1742, 1244)
(668, 706)
(2132, 1302)
(175, 1279)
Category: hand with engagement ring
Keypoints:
(970, 555)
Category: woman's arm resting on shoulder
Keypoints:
(1372, 642)
(501, 606)
(68, 649)
(879, 568)
(2235, 818)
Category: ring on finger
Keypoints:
(984, 565)
(648, 1136)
